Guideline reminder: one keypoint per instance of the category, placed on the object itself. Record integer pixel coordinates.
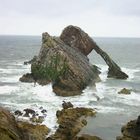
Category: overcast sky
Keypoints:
(116, 18)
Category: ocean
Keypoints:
(113, 109)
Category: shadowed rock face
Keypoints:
(68, 69)
(131, 131)
(77, 38)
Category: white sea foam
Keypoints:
(8, 89)
(130, 72)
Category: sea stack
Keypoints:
(63, 61)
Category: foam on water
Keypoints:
(8, 89)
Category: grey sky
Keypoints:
(97, 17)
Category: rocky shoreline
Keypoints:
(70, 119)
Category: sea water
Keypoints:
(113, 109)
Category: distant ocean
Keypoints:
(114, 110)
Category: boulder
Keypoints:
(33, 132)
(77, 38)
(71, 121)
(125, 91)
(131, 131)
(67, 68)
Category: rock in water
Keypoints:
(125, 91)
(71, 121)
(68, 69)
(131, 131)
(77, 38)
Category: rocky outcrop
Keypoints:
(77, 38)
(33, 132)
(71, 121)
(131, 131)
(67, 68)
(125, 91)
(114, 70)
(63, 61)
(10, 129)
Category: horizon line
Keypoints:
(58, 35)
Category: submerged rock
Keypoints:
(71, 121)
(131, 131)
(125, 91)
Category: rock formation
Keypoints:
(67, 68)
(125, 91)
(131, 131)
(10, 129)
(77, 38)
(63, 61)
(71, 121)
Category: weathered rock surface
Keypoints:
(63, 61)
(125, 91)
(8, 126)
(71, 121)
(68, 69)
(10, 129)
(77, 38)
(33, 132)
(131, 131)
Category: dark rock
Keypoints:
(43, 111)
(114, 70)
(131, 131)
(71, 121)
(27, 78)
(67, 105)
(125, 91)
(29, 111)
(18, 113)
